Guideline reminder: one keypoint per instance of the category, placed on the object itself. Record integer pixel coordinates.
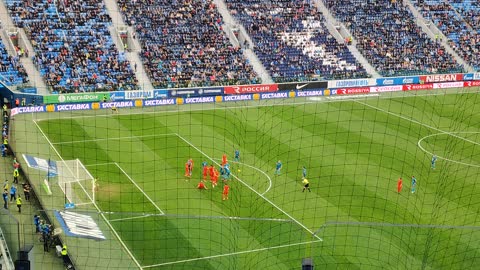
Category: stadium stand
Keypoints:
(183, 44)
(389, 38)
(291, 40)
(73, 47)
(11, 70)
(459, 21)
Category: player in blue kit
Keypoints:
(227, 171)
(237, 155)
(304, 172)
(278, 167)
(434, 161)
(414, 184)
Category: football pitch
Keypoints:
(354, 151)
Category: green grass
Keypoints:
(354, 151)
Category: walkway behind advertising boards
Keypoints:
(18, 228)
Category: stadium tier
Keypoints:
(343, 159)
(11, 70)
(73, 47)
(184, 45)
(389, 38)
(458, 20)
(292, 41)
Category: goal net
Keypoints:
(76, 182)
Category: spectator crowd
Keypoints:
(460, 22)
(73, 47)
(389, 38)
(292, 41)
(12, 71)
(184, 45)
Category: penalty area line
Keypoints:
(116, 138)
(232, 254)
(179, 216)
(252, 189)
(115, 233)
(140, 189)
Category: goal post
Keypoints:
(76, 182)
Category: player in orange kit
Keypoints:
(211, 171)
(224, 159)
(187, 170)
(201, 185)
(215, 178)
(190, 163)
(399, 185)
(205, 171)
(226, 189)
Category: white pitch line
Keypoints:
(417, 122)
(231, 254)
(252, 189)
(419, 143)
(94, 204)
(130, 218)
(218, 107)
(139, 188)
(179, 216)
(117, 138)
(255, 168)
(99, 164)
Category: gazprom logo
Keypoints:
(468, 77)
(407, 81)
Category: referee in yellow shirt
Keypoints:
(306, 185)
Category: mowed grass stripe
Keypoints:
(282, 194)
(393, 207)
(415, 157)
(127, 202)
(266, 231)
(459, 179)
(412, 144)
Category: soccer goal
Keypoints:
(76, 182)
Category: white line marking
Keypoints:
(87, 203)
(255, 168)
(116, 138)
(130, 218)
(269, 104)
(419, 143)
(96, 206)
(231, 254)
(139, 188)
(179, 216)
(99, 164)
(249, 187)
(177, 109)
(417, 122)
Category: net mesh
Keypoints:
(354, 151)
(75, 181)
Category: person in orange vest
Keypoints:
(17, 102)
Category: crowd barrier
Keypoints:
(162, 97)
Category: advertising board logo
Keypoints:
(250, 89)
(407, 80)
(62, 98)
(387, 82)
(300, 86)
(441, 78)
(468, 77)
